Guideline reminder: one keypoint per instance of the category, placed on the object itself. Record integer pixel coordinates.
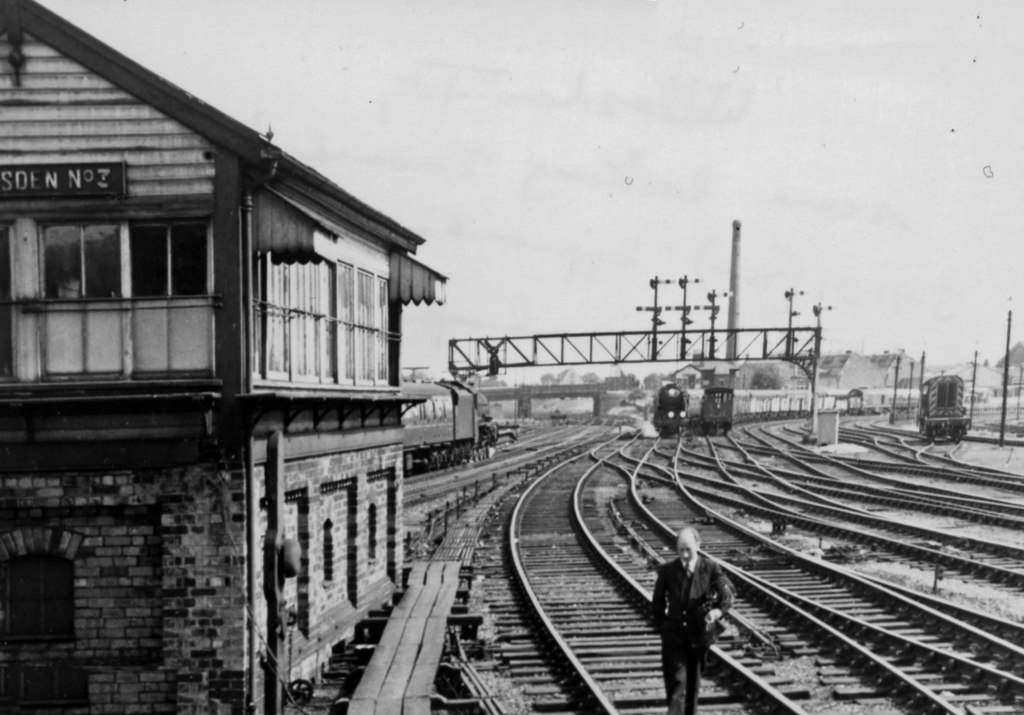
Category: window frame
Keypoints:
(83, 282)
(168, 239)
(321, 323)
(124, 228)
(66, 602)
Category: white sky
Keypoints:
(556, 155)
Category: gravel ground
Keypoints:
(990, 455)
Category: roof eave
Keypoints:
(219, 128)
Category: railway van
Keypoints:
(716, 410)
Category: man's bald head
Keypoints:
(687, 544)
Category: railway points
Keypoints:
(499, 673)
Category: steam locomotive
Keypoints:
(448, 424)
(670, 407)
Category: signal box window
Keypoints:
(82, 261)
(168, 260)
(39, 598)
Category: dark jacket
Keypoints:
(676, 612)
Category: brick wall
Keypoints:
(337, 488)
(158, 579)
(159, 573)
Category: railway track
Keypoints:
(606, 642)
(596, 618)
(817, 509)
(907, 460)
(1003, 500)
(430, 486)
(914, 640)
(1011, 441)
(941, 453)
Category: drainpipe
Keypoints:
(251, 587)
(252, 496)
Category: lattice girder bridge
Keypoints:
(800, 346)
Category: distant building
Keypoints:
(1016, 357)
(688, 377)
(717, 373)
(849, 370)
(987, 381)
(621, 382)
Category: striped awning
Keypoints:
(412, 282)
(287, 232)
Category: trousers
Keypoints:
(681, 667)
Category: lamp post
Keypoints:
(818, 309)
(1006, 378)
(895, 384)
(789, 294)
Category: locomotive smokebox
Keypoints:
(734, 291)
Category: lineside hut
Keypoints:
(179, 299)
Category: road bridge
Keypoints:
(525, 394)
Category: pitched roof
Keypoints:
(255, 150)
(883, 361)
(1016, 356)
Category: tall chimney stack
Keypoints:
(734, 291)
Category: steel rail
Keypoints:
(580, 671)
(868, 470)
(1010, 482)
(1010, 651)
(920, 692)
(773, 695)
(946, 503)
(1004, 677)
(947, 458)
(767, 505)
(816, 504)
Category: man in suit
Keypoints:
(691, 595)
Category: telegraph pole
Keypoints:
(1006, 378)
(910, 387)
(974, 377)
(895, 384)
(817, 310)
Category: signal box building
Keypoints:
(200, 427)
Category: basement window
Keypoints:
(39, 598)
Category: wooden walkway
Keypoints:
(400, 676)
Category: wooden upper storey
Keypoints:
(143, 284)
